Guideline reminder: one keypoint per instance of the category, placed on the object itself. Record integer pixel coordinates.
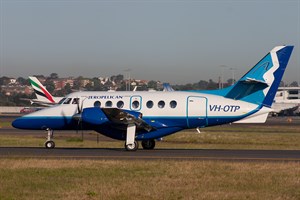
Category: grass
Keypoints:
(238, 137)
(93, 179)
(5, 124)
(156, 179)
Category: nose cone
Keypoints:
(19, 123)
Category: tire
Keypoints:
(49, 144)
(148, 144)
(132, 147)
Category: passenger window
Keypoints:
(68, 101)
(108, 104)
(97, 104)
(135, 104)
(120, 104)
(173, 104)
(149, 104)
(161, 104)
(75, 101)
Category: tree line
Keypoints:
(95, 84)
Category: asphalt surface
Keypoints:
(156, 154)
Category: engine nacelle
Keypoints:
(94, 116)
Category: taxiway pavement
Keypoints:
(156, 154)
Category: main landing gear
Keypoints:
(146, 144)
(131, 144)
(49, 144)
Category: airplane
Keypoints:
(44, 98)
(167, 87)
(283, 103)
(43, 95)
(148, 115)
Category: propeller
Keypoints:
(78, 116)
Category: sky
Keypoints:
(171, 41)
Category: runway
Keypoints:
(156, 154)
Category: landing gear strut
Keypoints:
(131, 144)
(49, 144)
(148, 144)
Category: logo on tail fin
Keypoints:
(259, 85)
(40, 90)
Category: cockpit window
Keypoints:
(68, 101)
(75, 101)
(62, 100)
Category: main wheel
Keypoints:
(50, 144)
(148, 144)
(132, 147)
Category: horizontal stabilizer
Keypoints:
(255, 81)
(258, 117)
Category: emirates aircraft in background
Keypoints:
(43, 96)
(145, 116)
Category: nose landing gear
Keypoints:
(49, 144)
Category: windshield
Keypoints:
(62, 100)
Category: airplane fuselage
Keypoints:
(168, 112)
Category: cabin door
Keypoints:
(196, 111)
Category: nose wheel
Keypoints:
(49, 144)
(132, 147)
(131, 144)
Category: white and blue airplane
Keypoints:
(146, 116)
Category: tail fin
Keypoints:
(260, 84)
(167, 87)
(41, 92)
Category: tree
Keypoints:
(212, 85)
(54, 76)
(23, 81)
(152, 85)
(202, 85)
(50, 86)
(97, 84)
(89, 87)
(117, 79)
(67, 89)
